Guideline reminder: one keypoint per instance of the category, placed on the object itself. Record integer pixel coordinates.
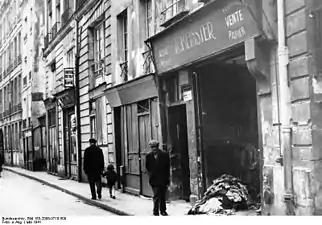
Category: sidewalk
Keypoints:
(124, 204)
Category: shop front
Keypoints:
(66, 100)
(51, 136)
(136, 122)
(210, 96)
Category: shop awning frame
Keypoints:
(138, 89)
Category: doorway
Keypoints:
(179, 149)
(70, 145)
(137, 125)
(230, 140)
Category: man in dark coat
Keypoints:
(93, 167)
(158, 167)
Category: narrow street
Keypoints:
(20, 196)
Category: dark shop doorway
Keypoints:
(179, 143)
(230, 139)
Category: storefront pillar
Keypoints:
(257, 59)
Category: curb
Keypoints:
(86, 200)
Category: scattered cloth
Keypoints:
(225, 196)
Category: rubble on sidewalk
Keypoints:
(225, 196)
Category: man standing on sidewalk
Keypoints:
(158, 167)
(93, 167)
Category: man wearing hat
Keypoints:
(158, 167)
(93, 167)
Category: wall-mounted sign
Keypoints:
(69, 77)
(28, 133)
(187, 94)
(211, 29)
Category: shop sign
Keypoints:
(28, 133)
(187, 95)
(69, 77)
(211, 29)
(73, 124)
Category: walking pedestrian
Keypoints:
(93, 167)
(158, 167)
(111, 178)
(1, 162)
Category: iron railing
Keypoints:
(172, 10)
(148, 66)
(124, 71)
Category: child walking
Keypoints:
(111, 178)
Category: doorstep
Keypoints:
(124, 204)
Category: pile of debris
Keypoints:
(225, 196)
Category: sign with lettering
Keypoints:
(69, 77)
(211, 29)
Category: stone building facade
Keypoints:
(123, 100)
(33, 121)
(288, 109)
(59, 99)
(11, 82)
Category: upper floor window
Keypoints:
(58, 11)
(25, 81)
(123, 44)
(149, 21)
(99, 49)
(70, 59)
(172, 8)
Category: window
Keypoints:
(93, 126)
(143, 106)
(70, 59)
(25, 81)
(124, 34)
(99, 49)
(19, 88)
(58, 11)
(172, 8)
(92, 108)
(50, 16)
(149, 21)
(1, 102)
(52, 117)
(123, 45)
(19, 44)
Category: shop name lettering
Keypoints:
(206, 33)
(234, 19)
(191, 39)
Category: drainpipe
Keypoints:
(284, 102)
(77, 108)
